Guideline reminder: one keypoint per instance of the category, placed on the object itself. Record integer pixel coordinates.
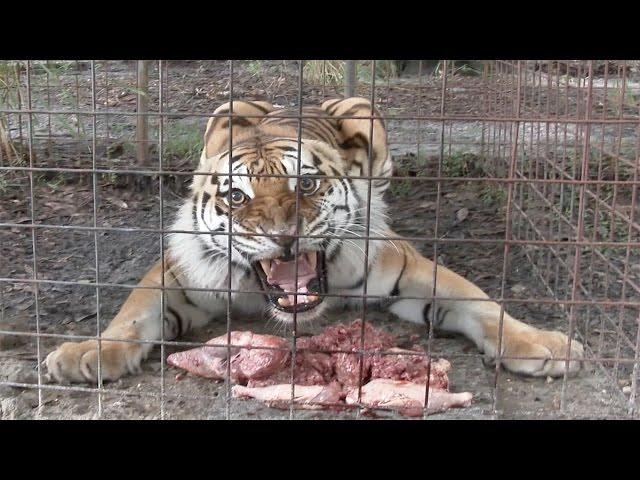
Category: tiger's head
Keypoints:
(272, 187)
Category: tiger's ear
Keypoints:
(356, 136)
(216, 137)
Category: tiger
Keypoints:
(269, 175)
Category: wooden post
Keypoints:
(142, 125)
(349, 78)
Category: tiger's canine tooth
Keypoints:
(284, 302)
(313, 259)
(266, 266)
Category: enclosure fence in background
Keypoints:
(95, 155)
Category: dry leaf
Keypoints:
(118, 202)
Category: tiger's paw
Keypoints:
(545, 350)
(77, 362)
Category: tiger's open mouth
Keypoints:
(278, 275)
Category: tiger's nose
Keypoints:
(286, 239)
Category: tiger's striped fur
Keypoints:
(336, 150)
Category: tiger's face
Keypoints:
(277, 222)
(266, 213)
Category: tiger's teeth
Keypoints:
(266, 266)
(284, 302)
(312, 258)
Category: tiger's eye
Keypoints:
(237, 197)
(307, 185)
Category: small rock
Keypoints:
(518, 288)
(462, 214)
(627, 390)
(549, 379)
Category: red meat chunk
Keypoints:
(246, 363)
(327, 370)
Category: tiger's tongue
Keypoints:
(283, 274)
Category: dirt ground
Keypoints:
(465, 211)
(71, 310)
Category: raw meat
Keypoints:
(327, 370)
(413, 368)
(305, 396)
(324, 357)
(406, 397)
(246, 363)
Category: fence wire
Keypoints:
(553, 147)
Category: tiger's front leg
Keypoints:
(406, 272)
(138, 319)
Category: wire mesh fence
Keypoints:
(521, 176)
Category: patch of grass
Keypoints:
(385, 69)
(254, 68)
(54, 68)
(52, 182)
(400, 188)
(607, 226)
(467, 67)
(331, 72)
(111, 178)
(56, 71)
(618, 99)
(606, 192)
(457, 67)
(462, 164)
(183, 141)
(410, 164)
(122, 130)
(493, 194)
(11, 96)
